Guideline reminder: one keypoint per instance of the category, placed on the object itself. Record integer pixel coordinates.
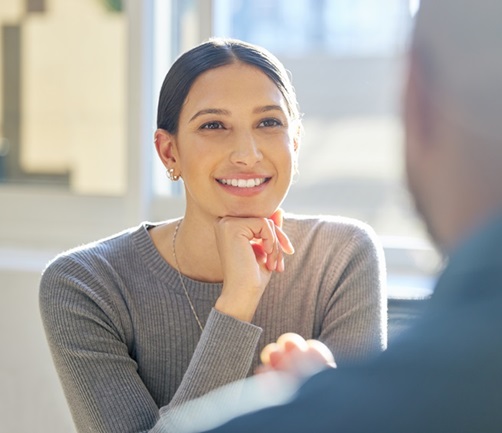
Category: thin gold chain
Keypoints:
(181, 277)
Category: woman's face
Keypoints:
(236, 143)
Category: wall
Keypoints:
(31, 398)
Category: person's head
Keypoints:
(453, 115)
(228, 114)
(212, 54)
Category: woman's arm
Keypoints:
(344, 262)
(90, 341)
(355, 299)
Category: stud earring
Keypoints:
(170, 174)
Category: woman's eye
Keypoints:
(267, 123)
(212, 125)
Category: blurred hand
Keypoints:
(250, 250)
(296, 356)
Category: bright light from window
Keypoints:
(162, 58)
(414, 5)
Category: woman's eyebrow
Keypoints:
(268, 108)
(224, 112)
(210, 111)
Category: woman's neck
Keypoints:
(196, 252)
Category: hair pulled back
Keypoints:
(213, 54)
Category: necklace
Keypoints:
(181, 277)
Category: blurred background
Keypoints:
(79, 81)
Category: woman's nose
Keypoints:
(245, 150)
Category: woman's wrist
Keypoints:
(240, 309)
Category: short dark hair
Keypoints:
(213, 54)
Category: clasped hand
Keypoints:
(250, 250)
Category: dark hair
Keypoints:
(213, 54)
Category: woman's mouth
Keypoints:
(244, 183)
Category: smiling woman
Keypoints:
(165, 312)
(234, 126)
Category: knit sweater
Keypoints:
(128, 349)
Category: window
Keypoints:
(347, 63)
(77, 112)
(63, 113)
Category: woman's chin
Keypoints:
(250, 213)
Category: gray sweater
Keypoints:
(127, 347)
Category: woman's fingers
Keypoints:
(280, 261)
(268, 240)
(284, 241)
(281, 245)
(272, 242)
(267, 234)
(260, 254)
(277, 217)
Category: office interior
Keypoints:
(79, 86)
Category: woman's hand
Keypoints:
(296, 356)
(250, 250)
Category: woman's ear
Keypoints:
(165, 144)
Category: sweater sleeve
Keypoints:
(90, 343)
(223, 355)
(355, 299)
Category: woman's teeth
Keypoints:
(243, 183)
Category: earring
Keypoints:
(170, 174)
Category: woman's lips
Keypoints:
(244, 187)
(244, 183)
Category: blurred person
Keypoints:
(163, 313)
(445, 374)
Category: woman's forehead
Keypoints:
(236, 85)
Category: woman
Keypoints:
(163, 313)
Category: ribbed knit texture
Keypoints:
(128, 349)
